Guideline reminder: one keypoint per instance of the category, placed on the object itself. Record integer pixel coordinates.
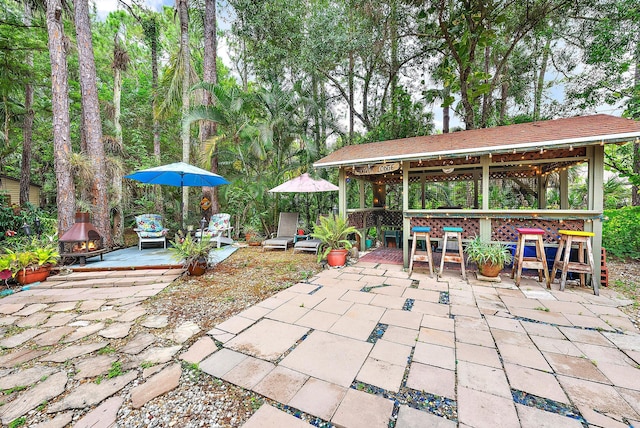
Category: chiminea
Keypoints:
(81, 241)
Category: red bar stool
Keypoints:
(453, 233)
(562, 261)
(421, 232)
(538, 262)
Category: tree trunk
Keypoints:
(635, 190)
(183, 13)
(209, 75)
(487, 99)
(60, 107)
(504, 94)
(119, 65)
(446, 110)
(27, 130)
(153, 34)
(92, 122)
(351, 90)
(537, 101)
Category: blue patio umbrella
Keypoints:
(178, 174)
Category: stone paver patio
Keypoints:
(363, 346)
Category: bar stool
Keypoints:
(421, 232)
(453, 233)
(538, 262)
(562, 263)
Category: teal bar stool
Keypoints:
(421, 232)
(453, 233)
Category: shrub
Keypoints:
(621, 232)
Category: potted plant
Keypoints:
(489, 256)
(332, 231)
(193, 254)
(31, 265)
(251, 231)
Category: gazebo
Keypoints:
(494, 180)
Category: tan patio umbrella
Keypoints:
(305, 184)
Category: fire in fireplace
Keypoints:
(81, 241)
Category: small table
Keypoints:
(395, 234)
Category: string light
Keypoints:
(490, 156)
(541, 150)
(571, 147)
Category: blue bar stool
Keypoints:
(421, 232)
(453, 233)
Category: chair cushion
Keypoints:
(419, 229)
(152, 234)
(453, 229)
(150, 223)
(219, 222)
(575, 233)
(530, 231)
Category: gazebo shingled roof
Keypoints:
(582, 130)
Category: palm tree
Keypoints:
(120, 64)
(183, 14)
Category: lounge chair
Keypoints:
(149, 229)
(219, 230)
(308, 243)
(287, 229)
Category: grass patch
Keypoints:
(116, 369)
(17, 422)
(107, 350)
(540, 308)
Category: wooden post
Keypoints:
(542, 192)
(564, 189)
(596, 203)
(342, 192)
(485, 224)
(406, 221)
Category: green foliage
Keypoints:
(493, 253)
(189, 251)
(106, 350)
(17, 422)
(115, 370)
(621, 232)
(333, 232)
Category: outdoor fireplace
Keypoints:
(81, 241)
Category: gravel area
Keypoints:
(624, 277)
(244, 279)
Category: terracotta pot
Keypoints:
(490, 270)
(337, 257)
(198, 268)
(29, 276)
(255, 243)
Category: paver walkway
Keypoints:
(367, 346)
(362, 346)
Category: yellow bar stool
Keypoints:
(538, 262)
(562, 261)
(453, 233)
(421, 232)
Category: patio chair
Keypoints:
(306, 243)
(219, 230)
(149, 229)
(287, 229)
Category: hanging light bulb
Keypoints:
(571, 147)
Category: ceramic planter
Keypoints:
(29, 276)
(198, 268)
(490, 270)
(337, 257)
